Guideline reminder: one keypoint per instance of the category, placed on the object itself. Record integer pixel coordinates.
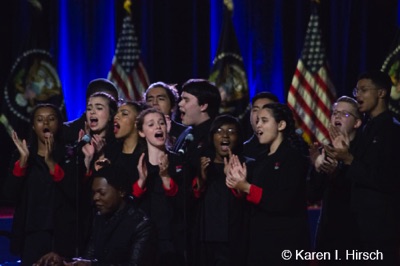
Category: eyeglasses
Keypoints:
(342, 114)
(362, 90)
(223, 132)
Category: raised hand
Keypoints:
(238, 171)
(168, 120)
(227, 162)
(237, 176)
(339, 139)
(48, 154)
(142, 169)
(314, 152)
(98, 143)
(339, 154)
(22, 149)
(204, 163)
(325, 164)
(88, 151)
(163, 166)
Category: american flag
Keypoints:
(312, 93)
(127, 70)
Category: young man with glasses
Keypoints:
(373, 167)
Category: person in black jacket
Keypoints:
(121, 234)
(222, 217)
(125, 152)
(36, 183)
(373, 168)
(199, 105)
(156, 188)
(276, 190)
(328, 182)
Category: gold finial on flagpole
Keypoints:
(127, 6)
(229, 4)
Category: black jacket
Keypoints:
(126, 238)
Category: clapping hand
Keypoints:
(204, 163)
(339, 139)
(142, 169)
(237, 175)
(22, 149)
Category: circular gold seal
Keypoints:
(33, 79)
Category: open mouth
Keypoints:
(116, 127)
(182, 114)
(338, 123)
(225, 145)
(46, 132)
(93, 121)
(259, 133)
(159, 135)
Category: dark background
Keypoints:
(179, 38)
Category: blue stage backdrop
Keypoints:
(179, 40)
(86, 47)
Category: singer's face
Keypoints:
(258, 104)
(225, 139)
(154, 130)
(98, 114)
(343, 116)
(268, 130)
(106, 198)
(158, 98)
(45, 123)
(190, 109)
(124, 122)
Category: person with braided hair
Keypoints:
(276, 190)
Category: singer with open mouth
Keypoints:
(156, 189)
(35, 183)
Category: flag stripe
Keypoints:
(312, 112)
(311, 93)
(127, 70)
(115, 76)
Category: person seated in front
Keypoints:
(121, 233)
